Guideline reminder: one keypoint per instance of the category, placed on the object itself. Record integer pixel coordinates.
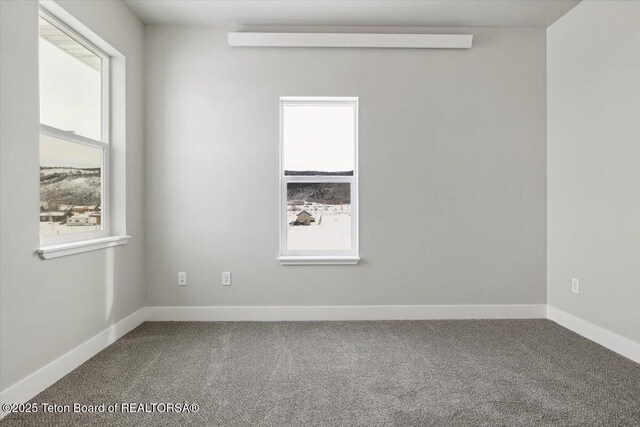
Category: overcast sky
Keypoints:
(318, 138)
(70, 92)
(59, 153)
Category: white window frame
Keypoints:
(103, 144)
(311, 257)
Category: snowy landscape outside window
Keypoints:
(74, 150)
(319, 179)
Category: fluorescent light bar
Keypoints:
(389, 41)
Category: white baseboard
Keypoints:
(367, 312)
(35, 383)
(614, 342)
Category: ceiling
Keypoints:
(389, 13)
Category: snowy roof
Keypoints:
(52, 213)
(303, 212)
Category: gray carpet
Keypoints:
(389, 373)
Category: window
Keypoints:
(74, 137)
(318, 180)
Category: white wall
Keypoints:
(49, 307)
(455, 137)
(593, 62)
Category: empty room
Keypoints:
(320, 213)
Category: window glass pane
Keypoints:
(318, 140)
(70, 187)
(319, 216)
(70, 84)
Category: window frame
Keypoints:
(302, 257)
(103, 143)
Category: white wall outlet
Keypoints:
(226, 278)
(182, 278)
(575, 286)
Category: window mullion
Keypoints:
(70, 136)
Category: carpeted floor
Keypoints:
(388, 373)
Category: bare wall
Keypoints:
(456, 138)
(50, 307)
(593, 64)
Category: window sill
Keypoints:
(319, 260)
(72, 248)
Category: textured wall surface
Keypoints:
(594, 164)
(456, 137)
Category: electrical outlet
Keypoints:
(182, 278)
(226, 278)
(575, 286)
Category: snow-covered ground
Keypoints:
(76, 171)
(70, 186)
(54, 228)
(73, 190)
(330, 231)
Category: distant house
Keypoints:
(55, 216)
(80, 220)
(84, 208)
(44, 207)
(304, 218)
(97, 216)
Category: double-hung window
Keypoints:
(74, 135)
(319, 180)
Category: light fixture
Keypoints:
(353, 40)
